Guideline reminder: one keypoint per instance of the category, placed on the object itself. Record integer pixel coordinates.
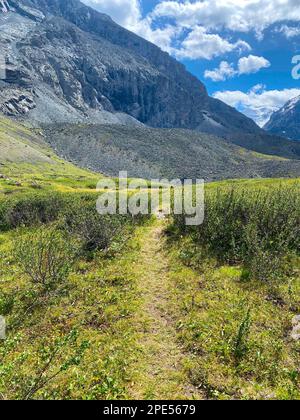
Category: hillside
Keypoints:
(286, 121)
(27, 162)
(144, 152)
(151, 153)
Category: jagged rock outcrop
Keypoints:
(16, 102)
(286, 121)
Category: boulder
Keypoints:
(295, 334)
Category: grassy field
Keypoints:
(143, 308)
(143, 313)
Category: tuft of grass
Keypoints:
(241, 342)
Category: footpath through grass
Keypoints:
(161, 367)
(110, 334)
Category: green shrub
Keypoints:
(241, 341)
(257, 228)
(29, 210)
(7, 301)
(94, 231)
(53, 357)
(45, 256)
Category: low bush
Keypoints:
(257, 228)
(7, 301)
(95, 231)
(45, 256)
(30, 209)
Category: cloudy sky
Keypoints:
(241, 49)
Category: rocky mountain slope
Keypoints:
(25, 158)
(286, 121)
(142, 151)
(80, 65)
(83, 65)
(173, 153)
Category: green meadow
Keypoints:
(121, 307)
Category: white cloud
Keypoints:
(125, 12)
(162, 37)
(197, 44)
(128, 13)
(200, 44)
(223, 72)
(258, 103)
(189, 29)
(246, 65)
(235, 15)
(252, 64)
(289, 31)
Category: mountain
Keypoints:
(69, 64)
(25, 154)
(286, 121)
(79, 65)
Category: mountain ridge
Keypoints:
(286, 121)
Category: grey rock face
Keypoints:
(16, 103)
(286, 121)
(90, 62)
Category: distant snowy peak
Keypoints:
(286, 121)
(290, 106)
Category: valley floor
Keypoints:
(153, 320)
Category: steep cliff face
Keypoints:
(84, 66)
(286, 121)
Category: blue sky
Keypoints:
(241, 49)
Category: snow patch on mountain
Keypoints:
(290, 106)
(286, 121)
(4, 6)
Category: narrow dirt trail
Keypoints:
(159, 372)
